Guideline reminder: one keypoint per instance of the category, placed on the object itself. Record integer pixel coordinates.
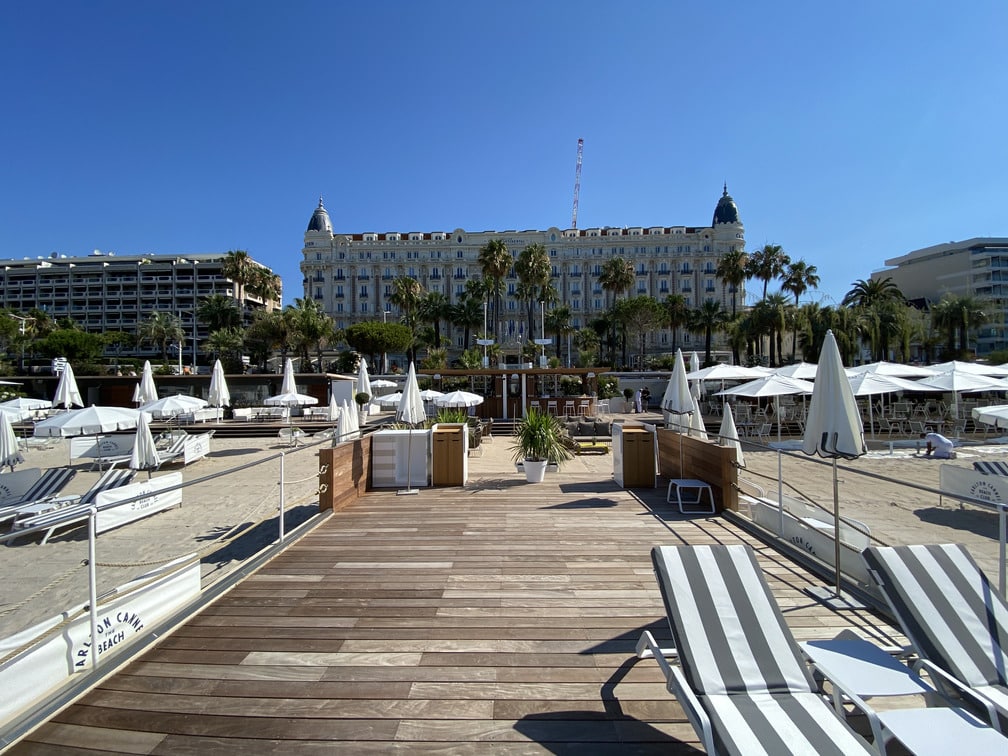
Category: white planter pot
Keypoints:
(535, 472)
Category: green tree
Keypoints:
(268, 331)
(239, 267)
(373, 338)
(708, 317)
(677, 315)
(799, 277)
(76, 346)
(467, 314)
(434, 307)
(766, 264)
(226, 345)
(311, 328)
(731, 269)
(161, 328)
(218, 311)
(616, 277)
(558, 324)
(641, 315)
(406, 295)
(533, 270)
(495, 261)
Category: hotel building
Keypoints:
(350, 274)
(112, 292)
(976, 267)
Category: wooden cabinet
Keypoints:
(634, 457)
(449, 455)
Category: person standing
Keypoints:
(637, 400)
(645, 398)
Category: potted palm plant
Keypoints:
(539, 441)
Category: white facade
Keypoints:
(350, 274)
(975, 267)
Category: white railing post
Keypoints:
(93, 583)
(281, 518)
(780, 491)
(1002, 537)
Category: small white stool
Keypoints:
(690, 484)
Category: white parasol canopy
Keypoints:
(960, 382)
(382, 383)
(894, 369)
(805, 371)
(697, 429)
(219, 395)
(288, 396)
(694, 362)
(26, 404)
(976, 368)
(14, 414)
(333, 408)
(410, 410)
(995, 414)
(869, 384)
(721, 372)
(390, 400)
(729, 434)
(833, 427)
(354, 419)
(145, 454)
(677, 399)
(363, 382)
(148, 391)
(343, 424)
(136, 395)
(170, 406)
(429, 395)
(458, 399)
(67, 393)
(10, 454)
(772, 385)
(90, 421)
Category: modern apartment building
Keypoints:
(976, 267)
(351, 273)
(112, 292)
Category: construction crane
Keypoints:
(577, 183)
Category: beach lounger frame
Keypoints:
(67, 510)
(50, 483)
(752, 698)
(954, 618)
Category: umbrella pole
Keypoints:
(409, 466)
(836, 533)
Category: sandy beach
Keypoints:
(222, 518)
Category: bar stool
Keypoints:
(584, 407)
(602, 408)
(569, 408)
(551, 408)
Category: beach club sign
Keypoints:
(13, 485)
(962, 480)
(138, 500)
(32, 671)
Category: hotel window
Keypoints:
(388, 291)
(598, 304)
(339, 291)
(363, 307)
(318, 292)
(339, 307)
(363, 290)
(576, 304)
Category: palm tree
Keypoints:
(616, 276)
(767, 264)
(495, 261)
(872, 292)
(799, 278)
(226, 344)
(162, 328)
(708, 318)
(265, 285)
(432, 308)
(467, 314)
(238, 266)
(677, 315)
(217, 312)
(533, 270)
(267, 332)
(406, 294)
(874, 302)
(311, 328)
(558, 323)
(731, 269)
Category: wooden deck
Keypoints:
(497, 618)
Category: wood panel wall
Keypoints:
(344, 473)
(702, 460)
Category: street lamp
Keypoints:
(543, 341)
(384, 319)
(24, 320)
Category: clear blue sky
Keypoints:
(847, 132)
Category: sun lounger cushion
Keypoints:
(991, 467)
(948, 609)
(739, 657)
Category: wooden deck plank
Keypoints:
(501, 615)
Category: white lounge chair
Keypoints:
(955, 619)
(50, 483)
(742, 698)
(57, 512)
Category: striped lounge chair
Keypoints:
(50, 483)
(59, 512)
(741, 678)
(954, 618)
(991, 467)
